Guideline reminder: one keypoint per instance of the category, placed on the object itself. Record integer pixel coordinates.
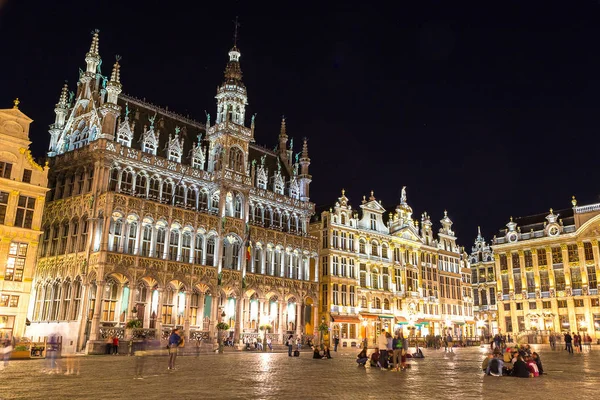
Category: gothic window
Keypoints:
(203, 200)
(210, 251)
(126, 181)
(56, 295)
(161, 239)
(109, 301)
(65, 301)
(174, 245)
(146, 240)
(186, 246)
(124, 134)
(167, 192)
(150, 143)
(386, 304)
(217, 158)
(141, 182)
(198, 248)
(236, 159)
(237, 207)
(154, 188)
(179, 195)
(214, 203)
(84, 233)
(269, 217)
(114, 181)
(294, 189)
(116, 233)
(285, 221)
(68, 186)
(190, 201)
(198, 157)
(64, 237)
(131, 237)
(258, 213)
(76, 292)
(377, 302)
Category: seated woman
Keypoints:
(532, 367)
(375, 359)
(316, 353)
(495, 366)
(486, 362)
(362, 357)
(326, 353)
(418, 354)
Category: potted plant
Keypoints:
(131, 325)
(265, 328)
(21, 351)
(221, 326)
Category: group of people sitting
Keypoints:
(519, 362)
(321, 354)
(391, 353)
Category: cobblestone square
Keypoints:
(244, 375)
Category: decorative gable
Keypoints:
(124, 133)
(198, 158)
(175, 146)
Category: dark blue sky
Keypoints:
(487, 110)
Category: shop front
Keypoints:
(346, 328)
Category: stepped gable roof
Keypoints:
(166, 121)
(536, 221)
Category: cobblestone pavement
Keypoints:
(247, 375)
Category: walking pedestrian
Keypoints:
(140, 358)
(6, 351)
(174, 342)
(450, 342)
(336, 342)
(552, 341)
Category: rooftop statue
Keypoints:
(262, 160)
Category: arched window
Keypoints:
(161, 239)
(179, 195)
(154, 188)
(237, 207)
(167, 192)
(377, 303)
(374, 248)
(131, 237)
(268, 217)
(202, 200)
(190, 201)
(210, 251)
(363, 302)
(126, 182)
(56, 298)
(112, 186)
(386, 304)
(116, 234)
(76, 295)
(66, 301)
(146, 240)
(141, 182)
(198, 248)
(85, 226)
(231, 252)
(285, 219)
(375, 279)
(214, 203)
(236, 159)
(109, 300)
(174, 245)
(186, 246)
(343, 219)
(64, 237)
(384, 250)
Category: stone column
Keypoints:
(186, 315)
(201, 298)
(582, 267)
(280, 317)
(131, 303)
(299, 327)
(97, 309)
(159, 320)
(239, 318)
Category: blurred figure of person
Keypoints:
(326, 353)
(290, 344)
(73, 365)
(316, 352)
(568, 343)
(175, 341)
(115, 345)
(51, 354)
(495, 365)
(552, 341)
(397, 349)
(269, 343)
(538, 362)
(109, 343)
(298, 343)
(486, 362)
(336, 342)
(532, 367)
(404, 351)
(140, 358)
(6, 352)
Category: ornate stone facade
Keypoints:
(391, 275)
(23, 187)
(547, 267)
(484, 287)
(158, 218)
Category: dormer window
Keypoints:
(373, 222)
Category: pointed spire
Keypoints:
(64, 93)
(478, 232)
(305, 149)
(95, 43)
(116, 72)
(282, 131)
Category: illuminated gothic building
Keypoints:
(156, 218)
(547, 267)
(484, 287)
(390, 275)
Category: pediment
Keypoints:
(374, 206)
(408, 232)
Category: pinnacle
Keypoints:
(283, 129)
(95, 43)
(116, 72)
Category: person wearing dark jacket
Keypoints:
(538, 361)
(362, 357)
(520, 369)
(316, 353)
(568, 343)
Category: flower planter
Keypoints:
(20, 355)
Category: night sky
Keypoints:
(484, 110)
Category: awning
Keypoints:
(471, 322)
(386, 316)
(369, 317)
(402, 323)
(349, 319)
(460, 323)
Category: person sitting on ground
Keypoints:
(520, 369)
(532, 367)
(375, 359)
(486, 362)
(326, 353)
(495, 366)
(316, 353)
(418, 353)
(538, 362)
(362, 357)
